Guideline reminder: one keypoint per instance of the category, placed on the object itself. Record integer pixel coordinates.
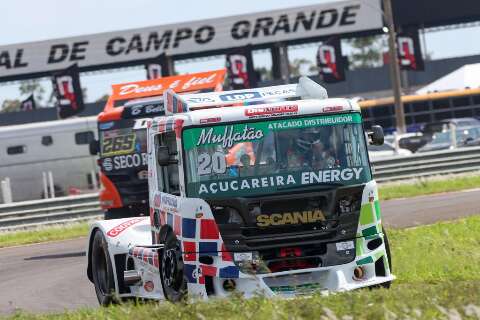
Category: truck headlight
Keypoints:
(348, 204)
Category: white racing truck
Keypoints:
(273, 199)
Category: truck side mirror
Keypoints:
(94, 147)
(163, 156)
(376, 136)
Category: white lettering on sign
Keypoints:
(127, 46)
(228, 138)
(306, 178)
(136, 88)
(196, 81)
(130, 161)
(331, 175)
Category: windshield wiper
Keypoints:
(330, 184)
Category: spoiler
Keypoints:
(305, 89)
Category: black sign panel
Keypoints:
(143, 110)
(28, 104)
(409, 51)
(66, 86)
(241, 74)
(330, 61)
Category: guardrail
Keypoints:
(37, 213)
(427, 164)
(29, 214)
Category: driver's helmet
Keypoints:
(308, 138)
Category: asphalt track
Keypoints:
(51, 277)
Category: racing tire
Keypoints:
(174, 283)
(102, 271)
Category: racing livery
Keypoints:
(292, 209)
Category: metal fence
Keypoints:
(38, 213)
(427, 164)
(29, 214)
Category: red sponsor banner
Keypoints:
(115, 231)
(156, 87)
(269, 110)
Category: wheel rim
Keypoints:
(172, 268)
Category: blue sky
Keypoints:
(32, 20)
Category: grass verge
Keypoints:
(438, 278)
(59, 232)
(428, 186)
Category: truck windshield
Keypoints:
(265, 157)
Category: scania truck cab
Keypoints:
(297, 211)
(122, 144)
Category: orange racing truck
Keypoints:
(122, 144)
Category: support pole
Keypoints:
(50, 184)
(169, 63)
(45, 184)
(280, 63)
(94, 179)
(394, 67)
(6, 190)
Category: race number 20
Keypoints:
(208, 164)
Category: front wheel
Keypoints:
(102, 271)
(171, 269)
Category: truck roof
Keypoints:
(210, 108)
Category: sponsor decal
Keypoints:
(230, 134)
(278, 219)
(238, 96)
(169, 201)
(106, 125)
(115, 231)
(343, 246)
(275, 181)
(312, 122)
(243, 256)
(127, 161)
(210, 120)
(229, 137)
(148, 286)
(271, 110)
(141, 123)
(148, 109)
(107, 164)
